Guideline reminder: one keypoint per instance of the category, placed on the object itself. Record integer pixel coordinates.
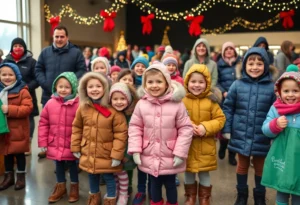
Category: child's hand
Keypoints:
(4, 109)
(195, 130)
(137, 158)
(282, 122)
(177, 161)
(225, 94)
(201, 130)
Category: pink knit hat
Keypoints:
(226, 45)
(115, 68)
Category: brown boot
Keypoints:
(204, 195)
(94, 199)
(190, 193)
(58, 192)
(110, 200)
(20, 183)
(74, 192)
(9, 180)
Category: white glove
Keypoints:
(177, 161)
(115, 163)
(226, 136)
(137, 158)
(44, 149)
(77, 154)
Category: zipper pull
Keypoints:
(294, 119)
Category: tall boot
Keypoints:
(9, 180)
(59, 191)
(74, 192)
(242, 196)
(259, 197)
(204, 194)
(110, 200)
(231, 158)
(222, 149)
(94, 199)
(190, 193)
(20, 183)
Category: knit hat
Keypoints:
(292, 72)
(115, 68)
(141, 60)
(18, 41)
(103, 52)
(103, 60)
(161, 49)
(226, 45)
(69, 76)
(122, 88)
(170, 58)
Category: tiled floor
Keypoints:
(41, 179)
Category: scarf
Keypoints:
(16, 57)
(284, 109)
(104, 111)
(65, 99)
(4, 93)
(138, 80)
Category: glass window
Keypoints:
(7, 33)
(24, 11)
(8, 10)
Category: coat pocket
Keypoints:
(171, 144)
(208, 146)
(50, 140)
(146, 143)
(83, 142)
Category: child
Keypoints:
(126, 76)
(99, 135)
(114, 72)
(171, 62)
(101, 65)
(160, 132)
(16, 105)
(123, 98)
(245, 107)
(139, 65)
(207, 119)
(54, 134)
(281, 170)
(121, 60)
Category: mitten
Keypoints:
(177, 161)
(115, 163)
(137, 158)
(44, 149)
(77, 154)
(226, 136)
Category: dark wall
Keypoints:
(217, 16)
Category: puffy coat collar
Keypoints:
(222, 63)
(69, 102)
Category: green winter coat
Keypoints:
(3, 121)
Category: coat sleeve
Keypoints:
(280, 62)
(184, 132)
(186, 68)
(77, 131)
(33, 84)
(217, 123)
(270, 128)
(218, 84)
(44, 127)
(229, 107)
(214, 74)
(24, 109)
(80, 65)
(135, 132)
(120, 131)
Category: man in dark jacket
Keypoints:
(60, 57)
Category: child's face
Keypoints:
(121, 57)
(127, 79)
(229, 52)
(156, 85)
(139, 68)
(254, 68)
(7, 76)
(95, 89)
(201, 49)
(63, 87)
(119, 101)
(171, 67)
(100, 68)
(197, 84)
(290, 92)
(114, 76)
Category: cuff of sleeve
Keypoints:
(274, 128)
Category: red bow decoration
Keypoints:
(195, 28)
(54, 21)
(109, 23)
(287, 19)
(147, 24)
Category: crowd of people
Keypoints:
(159, 113)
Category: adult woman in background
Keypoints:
(284, 56)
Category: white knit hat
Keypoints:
(103, 60)
(122, 88)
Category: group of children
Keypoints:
(149, 116)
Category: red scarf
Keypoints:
(16, 57)
(104, 111)
(284, 109)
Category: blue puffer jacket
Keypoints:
(264, 40)
(226, 74)
(54, 61)
(246, 107)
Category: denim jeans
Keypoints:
(60, 171)
(94, 180)
(142, 181)
(156, 185)
(9, 162)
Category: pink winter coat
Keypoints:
(177, 78)
(160, 129)
(55, 128)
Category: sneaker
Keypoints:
(122, 199)
(177, 181)
(139, 198)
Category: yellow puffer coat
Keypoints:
(203, 109)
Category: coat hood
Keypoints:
(71, 77)
(205, 42)
(20, 84)
(102, 60)
(261, 40)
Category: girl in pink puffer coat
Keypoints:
(160, 132)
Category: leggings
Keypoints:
(204, 178)
(244, 163)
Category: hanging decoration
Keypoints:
(122, 43)
(147, 23)
(109, 23)
(195, 26)
(287, 21)
(54, 21)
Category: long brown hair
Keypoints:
(285, 48)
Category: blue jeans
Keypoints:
(60, 171)
(94, 180)
(284, 198)
(142, 181)
(169, 182)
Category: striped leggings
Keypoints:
(122, 182)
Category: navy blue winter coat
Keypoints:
(246, 107)
(264, 40)
(54, 61)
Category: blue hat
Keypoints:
(141, 60)
(15, 68)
